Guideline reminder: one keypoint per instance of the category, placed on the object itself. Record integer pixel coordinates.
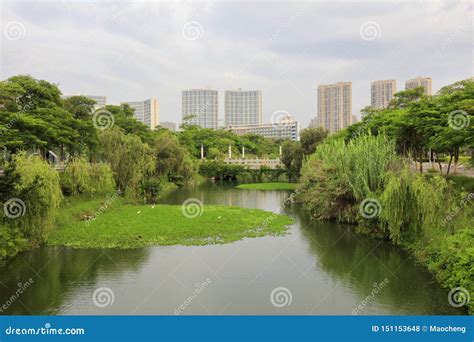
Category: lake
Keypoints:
(316, 269)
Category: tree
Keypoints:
(310, 138)
(292, 158)
(130, 159)
(172, 160)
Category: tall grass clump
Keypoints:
(83, 178)
(339, 175)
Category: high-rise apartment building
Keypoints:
(419, 81)
(201, 105)
(147, 112)
(243, 107)
(381, 93)
(335, 106)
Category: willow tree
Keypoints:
(130, 159)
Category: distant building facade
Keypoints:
(335, 106)
(147, 111)
(381, 93)
(202, 106)
(314, 123)
(169, 125)
(419, 81)
(243, 107)
(286, 130)
(101, 101)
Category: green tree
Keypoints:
(292, 158)
(130, 159)
(310, 138)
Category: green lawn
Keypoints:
(268, 186)
(123, 225)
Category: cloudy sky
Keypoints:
(133, 50)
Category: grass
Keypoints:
(462, 183)
(268, 186)
(125, 226)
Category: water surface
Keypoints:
(317, 269)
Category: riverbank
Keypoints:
(267, 186)
(365, 182)
(113, 223)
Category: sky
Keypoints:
(134, 50)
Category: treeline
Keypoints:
(364, 175)
(99, 152)
(425, 127)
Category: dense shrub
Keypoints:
(32, 186)
(340, 175)
(82, 177)
(220, 170)
(150, 188)
(11, 242)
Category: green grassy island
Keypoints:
(268, 186)
(131, 226)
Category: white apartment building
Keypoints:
(381, 93)
(147, 112)
(425, 82)
(287, 130)
(202, 105)
(335, 106)
(243, 107)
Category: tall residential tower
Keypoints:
(335, 106)
(381, 93)
(419, 81)
(243, 107)
(202, 106)
(146, 111)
